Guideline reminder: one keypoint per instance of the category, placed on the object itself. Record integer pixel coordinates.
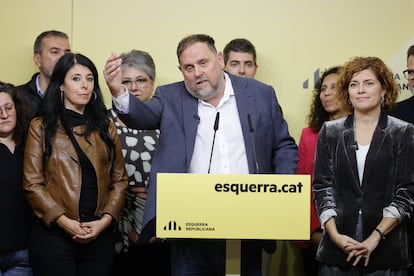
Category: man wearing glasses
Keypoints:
(405, 109)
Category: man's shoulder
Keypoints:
(244, 81)
(175, 86)
(405, 103)
(252, 88)
(172, 91)
(29, 92)
(404, 110)
(29, 86)
(409, 100)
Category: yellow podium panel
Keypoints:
(228, 206)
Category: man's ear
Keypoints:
(36, 59)
(221, 59)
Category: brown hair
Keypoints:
(380, 70)
(192, 39)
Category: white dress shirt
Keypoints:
(229, 152)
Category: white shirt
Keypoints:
(229, 152)
(361, 156)
(122, 101)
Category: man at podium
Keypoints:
(212, 122)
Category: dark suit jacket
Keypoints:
(174, 111)
(404, 110)
(388, 180)
(29, 91)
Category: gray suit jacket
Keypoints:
(388, 179)
(174, 111)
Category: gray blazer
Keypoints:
(388, 180)
(174, 111)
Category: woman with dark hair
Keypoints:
(74, 174)
(324, 107)
(15, 211)
(363, 179)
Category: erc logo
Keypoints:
(172, 226)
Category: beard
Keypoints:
(203, 93)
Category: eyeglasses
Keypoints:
(8, 109)
(140, 82)
(409, 74)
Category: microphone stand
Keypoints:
(216, 125)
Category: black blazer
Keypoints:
(404, 110)
(388, 180)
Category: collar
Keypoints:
(38, 90)
(382, 121)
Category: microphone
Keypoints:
(196, 117)
(355, 146)
(216, 126)
(216, 123)
(251, 129)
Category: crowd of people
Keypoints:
(81, 178)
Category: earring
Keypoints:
(350, 103)
(61, 96)
(382, 101)
(95, 96)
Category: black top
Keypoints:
(16, 218)
(89, 187)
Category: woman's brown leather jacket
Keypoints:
(53, 188)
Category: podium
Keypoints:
(233, 207)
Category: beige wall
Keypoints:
(293, 38)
